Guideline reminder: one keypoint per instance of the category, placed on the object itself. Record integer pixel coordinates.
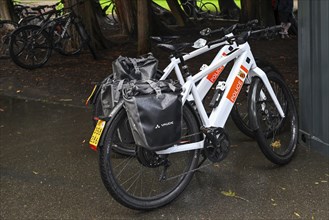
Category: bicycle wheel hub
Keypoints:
(149, 158)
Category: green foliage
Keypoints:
(164, 4)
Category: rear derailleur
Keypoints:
(152, 160)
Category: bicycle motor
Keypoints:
(217, 144)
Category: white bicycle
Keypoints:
(151, 179)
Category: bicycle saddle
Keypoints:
(174, 47)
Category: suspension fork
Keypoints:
(269, 88)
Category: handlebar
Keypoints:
(244, 36)
(208, 31)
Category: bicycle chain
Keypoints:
(182, 174)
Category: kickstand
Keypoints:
(203, 159)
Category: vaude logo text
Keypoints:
(164, 124)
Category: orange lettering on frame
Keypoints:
(214, 75)
(235, 89)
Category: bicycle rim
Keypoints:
(210, 8)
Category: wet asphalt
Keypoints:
(48, 172)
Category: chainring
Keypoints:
(217, 145)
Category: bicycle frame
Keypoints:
(243, 70)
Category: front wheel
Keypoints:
(276, 136)
(30, 47)
(146, 180)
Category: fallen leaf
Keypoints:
(324, 181)
(316, 183)
(298, 215)
(276, 144)
(18, 91)
(233, 194)
(2, 110)
(229, 193)
(84, 141)
(36, 173)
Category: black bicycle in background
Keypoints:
(31, 45)
(38, 14)
(26, 15)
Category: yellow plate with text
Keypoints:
(97, 134)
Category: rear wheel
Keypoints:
(146, 180)
(30, 47)
(276, 136)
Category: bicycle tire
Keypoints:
(153, 193)
(210, 8)
(276, 136)
(6, 28)
(114, 14)
(30, 20)
(188, 8)
(29, 43)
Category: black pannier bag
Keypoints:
(141, 68)
(154, 110)
(108, 92)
